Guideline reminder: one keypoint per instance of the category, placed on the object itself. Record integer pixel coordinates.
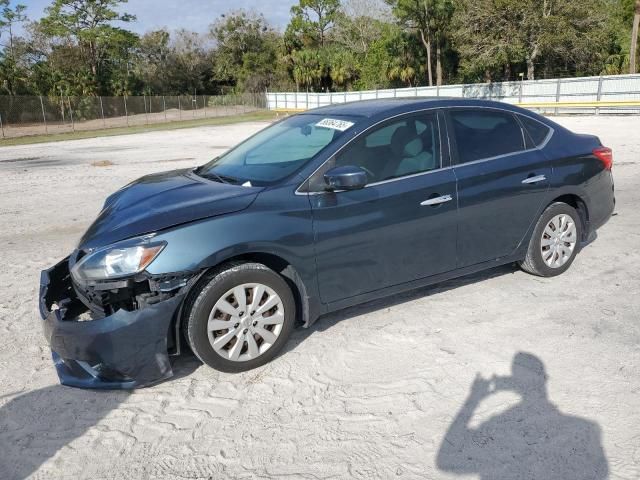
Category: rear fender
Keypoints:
(552, 196)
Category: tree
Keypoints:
(88, 25)
(342, 68)
(360, 39)
(83, 47)
(12, 73)
(246, 50)
(312, 20)
(402, 65)
(560, 35)
(190, 62)
(307, 68)
(431, 19)
(415, 14)
(10, 17)
(152, 61)
(360, 24)
(633, 50)
(374, 67)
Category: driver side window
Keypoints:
(396, 149)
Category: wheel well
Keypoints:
(576, 202)
(275, 263)
(286, 270)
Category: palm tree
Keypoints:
(342, 69)
(307, 69)
(401, 71)
(401, 66)
(633, 51)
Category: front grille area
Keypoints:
(92, 301)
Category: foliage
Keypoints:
(13, 70)
(85, 48)
(431, 20)
(401, 67)
(84, 30)
(557, 37)
(246, 51)
(360, 24)
(313, 20)
(374, 66)
(308, 68)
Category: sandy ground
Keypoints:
(384, 390)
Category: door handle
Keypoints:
(437, 200)
(534, 179)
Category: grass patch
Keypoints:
(110, 132)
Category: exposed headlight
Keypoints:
(116, 262)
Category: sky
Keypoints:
(194, 15)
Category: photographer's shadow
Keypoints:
(531, 440)
(36, 425)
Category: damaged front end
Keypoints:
(112, 334)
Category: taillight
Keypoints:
(605, 155)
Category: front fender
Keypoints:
(276, 224)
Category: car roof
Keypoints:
(372, 108)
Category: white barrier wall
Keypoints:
(584, 89)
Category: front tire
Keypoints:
(555, 241)
(239, 317)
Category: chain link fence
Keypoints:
(37, 115)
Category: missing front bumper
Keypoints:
(127, 349)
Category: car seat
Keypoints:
(409, 154)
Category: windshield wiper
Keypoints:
(219, 178)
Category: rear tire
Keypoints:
(555, 241)
(239, 317)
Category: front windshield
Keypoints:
(277, 151)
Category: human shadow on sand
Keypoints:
(34, 426)
(37, 424)
(532, 440)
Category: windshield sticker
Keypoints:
(334, 124)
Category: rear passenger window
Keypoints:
(538, 131)
(485, 134)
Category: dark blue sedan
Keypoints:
(318, 212)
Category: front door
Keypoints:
(401, 226)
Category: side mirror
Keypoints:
(348, 177)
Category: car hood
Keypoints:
(163, 200)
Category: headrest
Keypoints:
(405, 143)
(427, 138)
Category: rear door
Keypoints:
(502, 181)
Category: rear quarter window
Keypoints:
(537, 131)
